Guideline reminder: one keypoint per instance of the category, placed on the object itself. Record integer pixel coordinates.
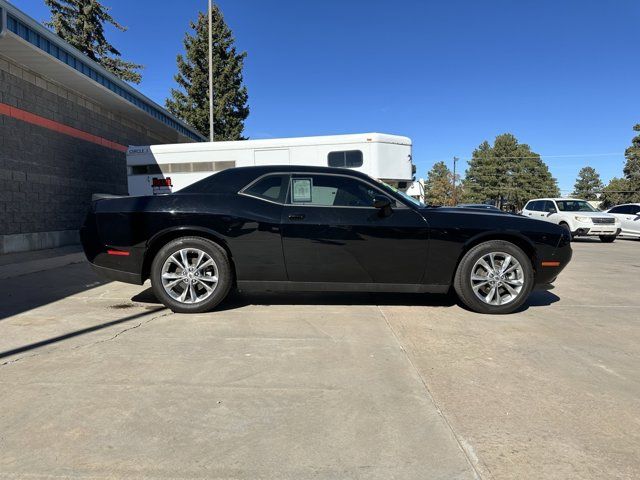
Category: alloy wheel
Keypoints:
(497, 278)
(189, 275)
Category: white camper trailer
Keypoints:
(165, 168)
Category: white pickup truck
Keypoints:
(577, 216)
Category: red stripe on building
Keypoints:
(33, 119)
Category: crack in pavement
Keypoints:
(128, 329)
(469, 454)
(46, 352)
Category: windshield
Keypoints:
(575, 206)
(411, 200)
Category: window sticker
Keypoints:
(301, 189)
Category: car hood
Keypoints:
(475, 211)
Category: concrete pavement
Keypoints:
(99, 381)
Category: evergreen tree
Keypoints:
(438, 188)
(190, 101)
(588, 184)
(631, 168)
(81, 24)
(507, 173)
(616, 192)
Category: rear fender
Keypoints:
(157, 241)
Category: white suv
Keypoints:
(577, 216)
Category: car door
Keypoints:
(619, 213)
(630, 219)
(550, 212)
(526, 210)
(534, 208)
(332, 233)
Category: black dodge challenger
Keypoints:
(317, 229)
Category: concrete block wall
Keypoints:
(47, 177)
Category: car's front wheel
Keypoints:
(191, 275)
(494, 277)
(607, 238)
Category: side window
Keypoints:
(626, 209)
(331, 190)
(534, 206)
(549, 206)
(273, 188)
(529, 206)
(347, 159)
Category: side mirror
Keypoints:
(638, 214)
(380, 201)
(383, 204)
(552, 210)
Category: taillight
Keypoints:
(161, 182)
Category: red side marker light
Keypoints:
(550, 264)
(119, 253)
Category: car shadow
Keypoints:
(540, 298)
(237, 299)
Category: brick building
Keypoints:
(65, 124)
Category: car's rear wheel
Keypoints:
(494, 277)
(607, 238)
(191, 275)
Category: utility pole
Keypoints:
(210, 73)
(455, 200)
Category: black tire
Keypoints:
(607, 238)
(462, 281)
(224, 274)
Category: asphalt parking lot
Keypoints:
(99, 381)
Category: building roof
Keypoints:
(25, 41)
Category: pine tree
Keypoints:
(631, 168)
(190, 101)
(81, 24)
(508, 172)
(588, 184)
(438, 188)
(616, 192)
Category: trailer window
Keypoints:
(346, 159)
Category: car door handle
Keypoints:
(296, 216)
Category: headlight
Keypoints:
(582, 219)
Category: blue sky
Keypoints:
(563, 76)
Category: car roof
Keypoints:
(231, 180)
(558, 199)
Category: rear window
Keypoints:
(346, 159)
(271, 188)
(534, 206)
